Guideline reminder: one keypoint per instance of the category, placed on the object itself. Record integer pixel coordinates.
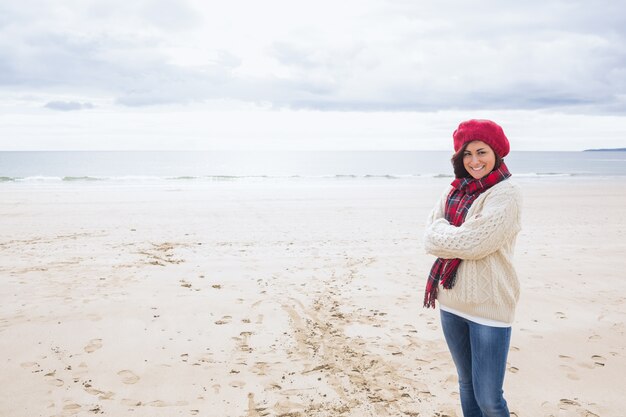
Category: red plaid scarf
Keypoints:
(461, 197)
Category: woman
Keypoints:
(472, 231)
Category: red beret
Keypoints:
(483, 130)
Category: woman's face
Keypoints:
(479, 159)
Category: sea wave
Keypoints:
(543, 174)
(135, 179)
(38, 178)
(183, 178)
(84, 178)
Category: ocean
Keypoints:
(186, 166)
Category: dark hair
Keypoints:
(459, 167)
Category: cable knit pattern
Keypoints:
(486, 283)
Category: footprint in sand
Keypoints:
(89, 389)
(128, 377)
(548, 408)
(157, 403)
(94, 344)
(31, 365)
(131, 403)
(598, 360)
(244, 341)
(94, 317)
(224, 320)
(566, 404)
(237, 384)
(72, 408)
(54, 381)
(81, 370)
(570, 372)
(205, 358)
(260, 368)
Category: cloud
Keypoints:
(68, 105)
(368, 56)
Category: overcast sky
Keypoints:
(285, 74)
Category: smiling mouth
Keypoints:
(478, 169)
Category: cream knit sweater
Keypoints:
(486, 283)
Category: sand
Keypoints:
(291, 298)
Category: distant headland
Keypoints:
(606, 150)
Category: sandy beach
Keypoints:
(291, 298)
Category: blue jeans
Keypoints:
(479, 353)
